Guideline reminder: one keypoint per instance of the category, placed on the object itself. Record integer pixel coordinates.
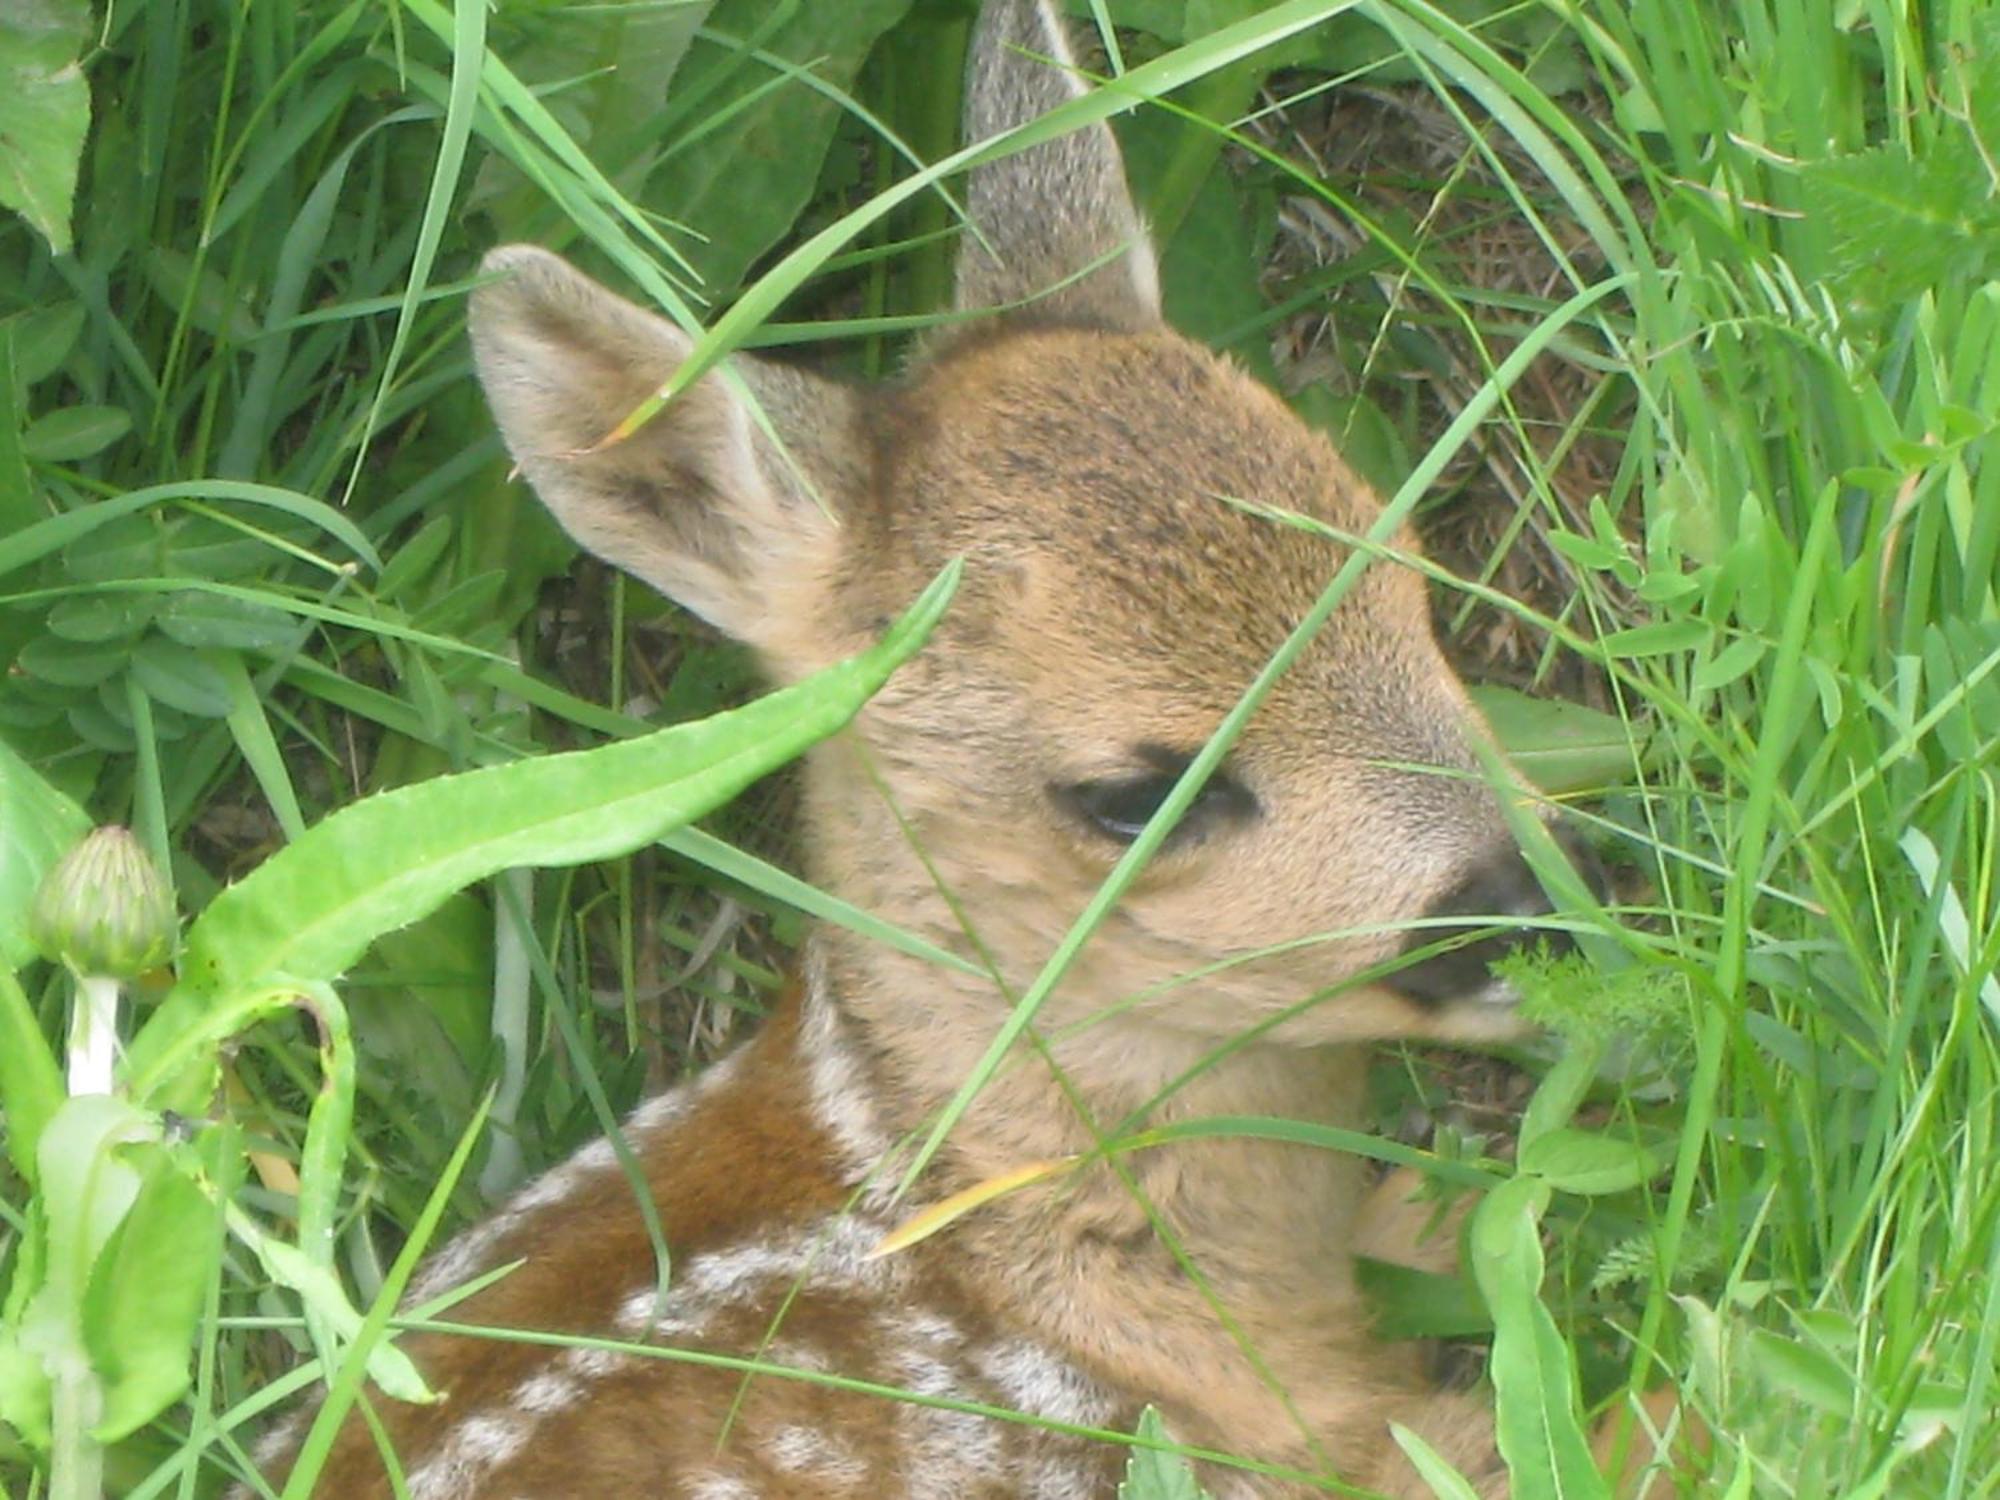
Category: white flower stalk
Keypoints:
(93, 1035)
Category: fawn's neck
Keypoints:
(907, 1035)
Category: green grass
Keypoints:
(298, 574)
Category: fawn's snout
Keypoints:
(1498, 905)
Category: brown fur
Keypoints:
(1081, 458)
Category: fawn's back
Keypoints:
(1107, 483)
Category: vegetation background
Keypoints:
(1736, 526)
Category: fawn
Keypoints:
(1079, 456)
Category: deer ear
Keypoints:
(700, 502)
(1050, 211)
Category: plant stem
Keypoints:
(76, 1460)
(93, 1035)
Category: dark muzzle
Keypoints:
(1495, 903)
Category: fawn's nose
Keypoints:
(1493, 900)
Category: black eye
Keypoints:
(1120, 807)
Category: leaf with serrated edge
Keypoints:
(1154, 1474)
(380, 864)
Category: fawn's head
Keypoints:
(1093, 468)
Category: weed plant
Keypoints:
(261, 558)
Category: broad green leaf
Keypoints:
(24, 1380)
(743, 180)
(602, 75)
(38, 826)
(1730, 663)
(423, 1005)
(145, 1298)
(410, 562)
(1590, 552)
(1405, 1303)
(87, 1188)
(43, 337)
(309, 911)
(72, 664)
(1588, 1163)
(1661, 638)
(1363, 433)
(102, 617)
(1211, 250)
(197, 617)
(71, 433)
(185, 284)
(1153, 1473)
(1535, 1418)
(1559, 746)
(175, 675)
(1559, 1093)
(1807, 1372)
(44, 111)
(31, 1086)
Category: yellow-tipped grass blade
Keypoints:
(922, 1226)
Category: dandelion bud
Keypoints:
(104, 910)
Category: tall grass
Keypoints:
(327, 586)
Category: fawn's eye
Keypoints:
(1119, 807)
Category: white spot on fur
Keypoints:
(946, 1451)
(1032, 1380)
(922, 1326)
(467, 1255)
(550, 1391)
(713, 1077)
(713, 1484)
(840, 1098)
(474, 1448)
(664, 1108)
(484, 1441)
(798, 1356)
(1060, 1480)
(595, 1364)
(808, 1451)
(283, 1434)
(458, 1260)
(560, 1181)
(827, 1256)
